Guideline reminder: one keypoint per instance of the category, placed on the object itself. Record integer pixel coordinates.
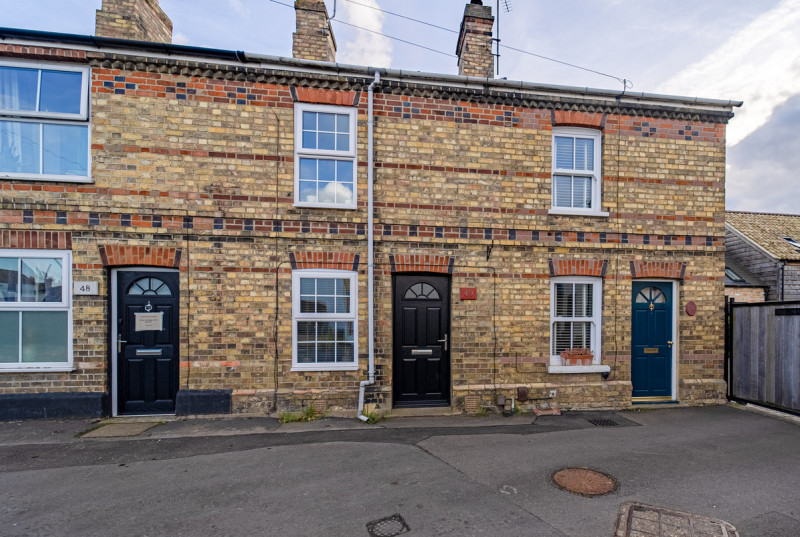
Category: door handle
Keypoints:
(669, 343)
(443, 341)
(119, 345)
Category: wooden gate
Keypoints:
(763, 353)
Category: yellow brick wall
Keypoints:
(214, 170)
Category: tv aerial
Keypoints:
(507, 6)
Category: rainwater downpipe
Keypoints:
(370, 253)
(783, 278)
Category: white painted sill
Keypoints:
(38, 370)
(46, 177)
(326, 368)
(325, 206)
(599, 368)
(562, 211)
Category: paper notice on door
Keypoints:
(149, 321)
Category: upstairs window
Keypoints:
(576, 171)
(325, 156)
(44, 122)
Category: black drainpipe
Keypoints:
(783, 271)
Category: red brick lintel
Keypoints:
(36, 240)
(656, 269)
(325, 96)
(572, 118)
(578, 267)
(442, 264)
(154, 256)
(324, 260)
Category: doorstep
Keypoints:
(419, 412)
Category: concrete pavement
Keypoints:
(679, 472)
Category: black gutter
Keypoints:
(673, 102)
(125, 44)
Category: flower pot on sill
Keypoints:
(576, 357)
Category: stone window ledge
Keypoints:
(598, 368)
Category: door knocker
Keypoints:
(652, 307)
(149, 307)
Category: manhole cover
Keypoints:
(584, 481)
(603, 423)
(388, 527)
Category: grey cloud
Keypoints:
(763, 168)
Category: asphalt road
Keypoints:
(718, 462)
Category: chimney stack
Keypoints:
(474, 48)
(138, 20)
(313, 39)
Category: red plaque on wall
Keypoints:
(469, 293)
(691, 308)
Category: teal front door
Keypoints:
(651, 344)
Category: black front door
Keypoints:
(147, 342)
(421, 340)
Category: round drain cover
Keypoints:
(584, 481)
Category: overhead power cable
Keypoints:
(396, 38)
(407, 42)
(403, 16)
(625, 82)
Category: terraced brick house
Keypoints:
(186, 230)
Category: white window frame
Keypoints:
(64, 305)
(556, 365)
(323, 317)
(596, 174)
(54, 118)
(300, 152)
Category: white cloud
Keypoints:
(238, 7)
(331, 193)
(759, 65)
(180, 39)
(366, 48)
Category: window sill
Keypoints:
(67, 369)
(325, 206)
(594, 368)
(348, 367)
(43, 177)
(563, 211)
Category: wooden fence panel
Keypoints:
(765, 354)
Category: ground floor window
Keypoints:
(35, 309)
(324, 320)
(575, 314)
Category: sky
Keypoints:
(743, 50)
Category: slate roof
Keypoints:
(767, 231)
(750, 279)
